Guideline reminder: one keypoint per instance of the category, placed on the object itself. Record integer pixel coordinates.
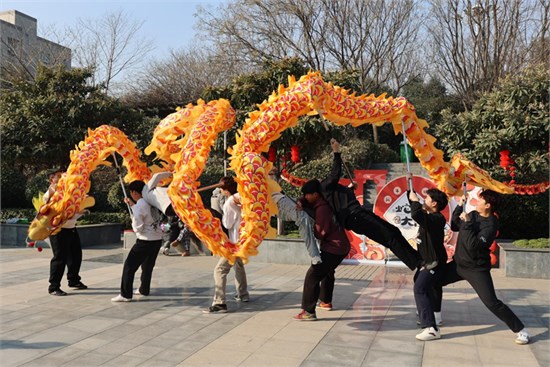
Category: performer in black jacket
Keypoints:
(472, 262)
(355, 217)
(430, 240)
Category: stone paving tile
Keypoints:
(17, 353)
(176, 355)
(384, 357)
(450, 354)
(373, 322)
(124, 360)
(354, 339)
(289, 348)
(58, 357)
(89, 360)
(259, 359)
(337, 354)
(249, 343)
(504, 356)
(218, 357)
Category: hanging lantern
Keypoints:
(504, 159)
(295, 154)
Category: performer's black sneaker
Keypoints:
(219, 308)
(58, 292)
(241, 299)
(78, 285)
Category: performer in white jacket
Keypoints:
(231, 220)
(144, 252)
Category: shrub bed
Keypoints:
(534, 243)
(91, 218)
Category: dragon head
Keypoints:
(41, 227)
(49, 220)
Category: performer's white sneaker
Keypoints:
(523, 337)
(429, 333)
(119, 298)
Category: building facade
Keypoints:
(22, 50)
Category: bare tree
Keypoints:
(376, 37)
(475, 44)
(111, 45)
(180, 79)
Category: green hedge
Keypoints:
(91, 218)
(535, 243)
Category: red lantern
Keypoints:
(272, 154)
(493, 259)
(504, 159)
(295, 154)
(493, 246)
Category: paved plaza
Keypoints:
(373, 323)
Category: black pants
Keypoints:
(144, 254)
(481, 281)
(369, 224)
(67, 251)
(424, 281)
(319, 281)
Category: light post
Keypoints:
(225, 153)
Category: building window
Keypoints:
(14, 46)
(45, 58)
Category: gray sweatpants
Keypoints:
(220, 280)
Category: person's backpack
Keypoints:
(158, 217)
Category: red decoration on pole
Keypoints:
(295, 154)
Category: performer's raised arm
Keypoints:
(336, 171)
